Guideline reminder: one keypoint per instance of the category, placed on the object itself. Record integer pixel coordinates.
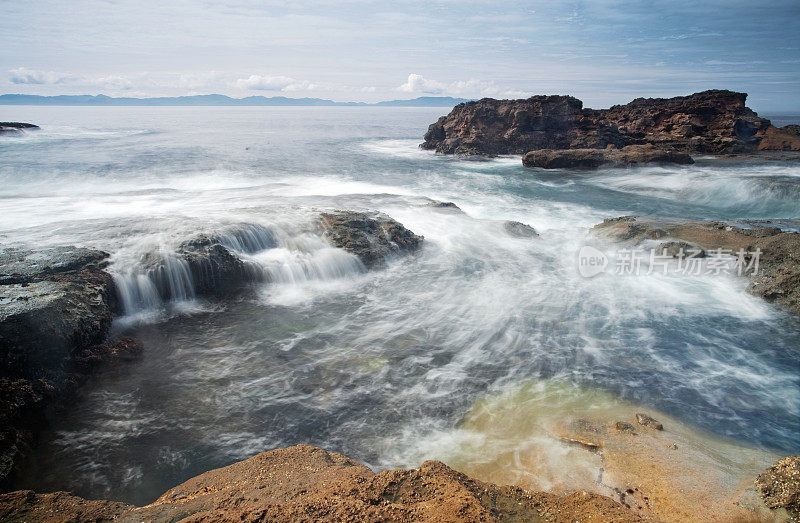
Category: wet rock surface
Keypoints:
(678, 249)
(15, 127)
(519, 230)
(778, 276)
(56, 307)
(780, 486)
(371, 236)
(594, 158)
(714, 122)
(309, 484)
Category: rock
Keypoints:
(15, 127)
(519, 230)
(445, 205)
(715, 122)
(780, 485)
(647, 421)
(680, 250)
(594, 158)
(780, 139)
(778, 276)
(371, 236)
(56, 307)
(624, 426)
(23, 266)
(305, 483)
(492, 127)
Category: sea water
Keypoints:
(384, 366)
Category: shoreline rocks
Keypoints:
(780, 486)
(307, 483)
(57, 308)
(594, 158)
(778, 277)
(372, 236)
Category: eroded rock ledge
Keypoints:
(594, 158)
(56, 309)
(778, 277)
(709, 122)
(305, 483)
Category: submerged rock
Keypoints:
(778, 276)
(647, 421)
(519, 230)
(371, 236)
(715, 121)
(594, 158)
(305, 483)
(56, 308)
(780, 485)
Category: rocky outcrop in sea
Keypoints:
(709, 122)
(16, 127)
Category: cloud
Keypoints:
(114, 82)
(417, 84)
(274, 83)
(470, 88)
(23, 75)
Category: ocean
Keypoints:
(384, 366)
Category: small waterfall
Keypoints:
(285, 266)
(168, 280)
(203, 266)
(248, 238)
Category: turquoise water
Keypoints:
(376, 364)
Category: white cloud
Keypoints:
(274, 83)
(24, 75)
(114, 82)
(468, 88)
(416, 83)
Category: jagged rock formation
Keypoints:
(713, 122)
(305, 483)
(594, 158)
(57, 307)
(371, 236)
(780, 486)
(15, 127)
(778, 277)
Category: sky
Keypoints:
(602, 52)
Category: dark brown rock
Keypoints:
(647, 421)
(780, 485)
(594, 158)
(785, 138)
(714, 122)
(371, 236)
(305, 483)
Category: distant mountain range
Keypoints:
(219, 99)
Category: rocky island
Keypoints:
(557, 131)
(16, 127)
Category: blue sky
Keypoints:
(602, 52)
